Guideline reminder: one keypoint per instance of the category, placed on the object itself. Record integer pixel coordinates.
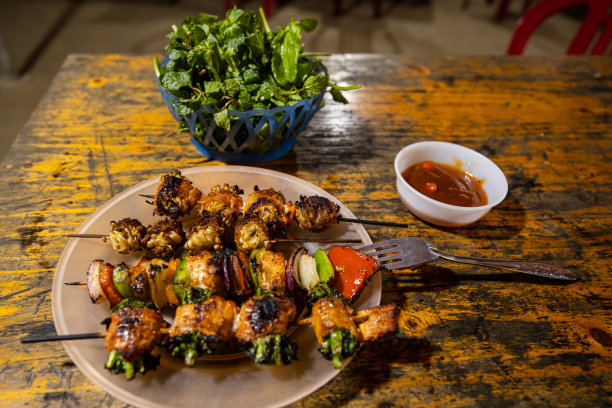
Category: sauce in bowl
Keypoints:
(446, 183)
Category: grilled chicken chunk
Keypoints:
(214, 317)
(134, 332)
(271, 272)
(251, 233)
(126, 235)
(204, 274)
(260, 316)
(316, 214)
(376, 321)
(163, 238)
(329, 314)
(271, 207)
(208, 233)
(175, 195)
(224, 201)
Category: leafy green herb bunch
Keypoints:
(240, 64)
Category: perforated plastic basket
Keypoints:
(255, 136)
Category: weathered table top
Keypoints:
(468, 336)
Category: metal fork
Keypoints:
(410, 251)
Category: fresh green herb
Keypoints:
(339, 345)
(240, 64)
(116, 364)
(274, 350)
(190, 346)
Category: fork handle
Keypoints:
(534, 268)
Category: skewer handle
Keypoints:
(58, 337)
(384, 223)
(86, 235)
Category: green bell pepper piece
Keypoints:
(181, 281)
(121, 280)
(325, 269)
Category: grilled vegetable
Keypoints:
(121, 280)
(94, 288)
(273, 349)
(236, 276)
(353, 269)
(308, 276)
(182, 278)
(106, 283)
(339, 345)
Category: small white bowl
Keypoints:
(494, 182)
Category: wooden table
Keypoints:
(468, 336)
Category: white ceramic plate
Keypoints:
(235, 383)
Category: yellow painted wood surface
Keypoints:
(468, 336)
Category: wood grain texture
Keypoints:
(468, 336)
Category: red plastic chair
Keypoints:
(598, 18)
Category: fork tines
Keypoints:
(388, 255)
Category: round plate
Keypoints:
(215, 383)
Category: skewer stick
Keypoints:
(79, 336)
(280, 240)
(58, 337)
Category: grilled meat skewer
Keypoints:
(175, 195)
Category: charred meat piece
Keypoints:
(316, 214)
(261, 316)
(262, 324)
(175, 195)
(134, 332)
(376, 321)
(269, 270)
(198, 327)
(208, 233)
(126, 235)
(270, 207)
(147, 281)
(251, 233)
(214, 317)
(339, 332)
(329, 314)
(163, 238)
(223, 201)
(204, 274)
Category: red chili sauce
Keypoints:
(446, 183)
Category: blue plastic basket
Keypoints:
(256, 136)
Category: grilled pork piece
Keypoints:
(316, 214)
(175, 195)
(224, 201)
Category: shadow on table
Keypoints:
(372, 368)
(434, 278)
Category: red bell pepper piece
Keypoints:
(353, 269)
